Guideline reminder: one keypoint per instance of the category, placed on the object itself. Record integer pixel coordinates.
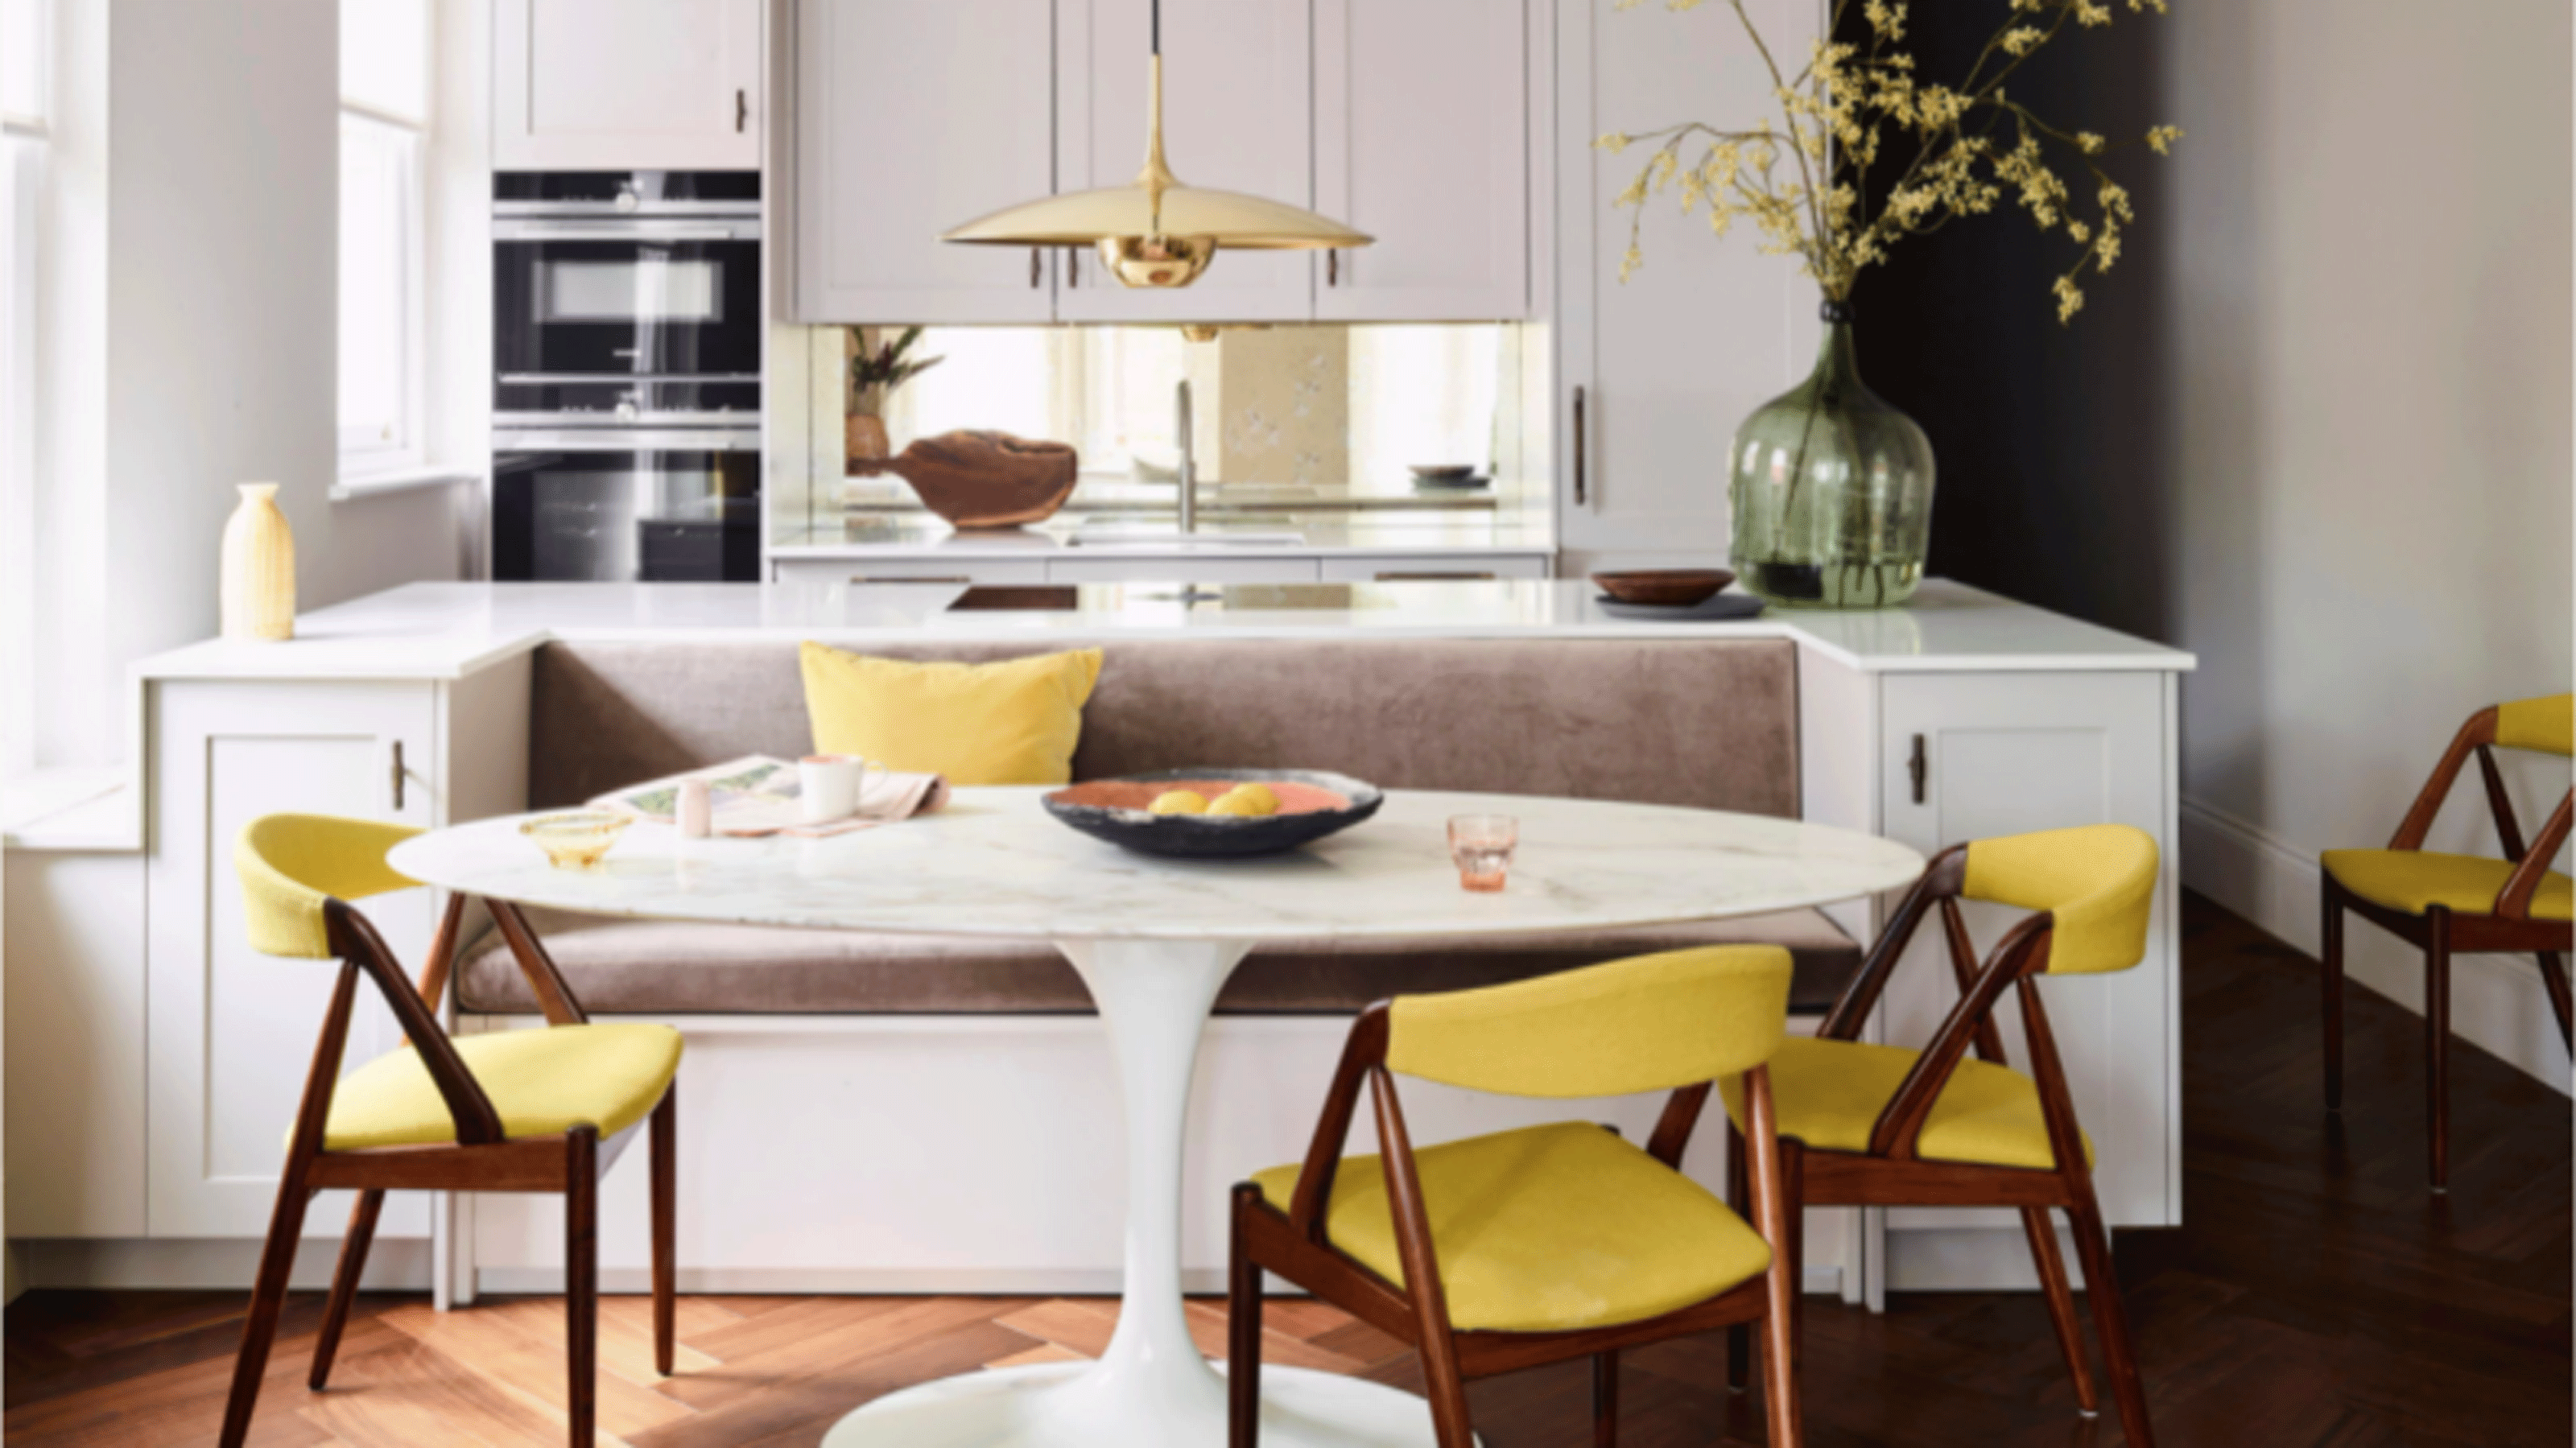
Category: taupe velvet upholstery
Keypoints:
(644, 967)
(1704, 722)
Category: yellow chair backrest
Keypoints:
(290, 864)
(1648, 1023)
(2544, 726)
(2098, 880)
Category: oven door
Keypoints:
(667, 507)
(654, 299)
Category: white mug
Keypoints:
(827, 786)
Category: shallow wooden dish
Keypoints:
(1312, 804)
(1665, 587)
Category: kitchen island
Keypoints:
(1962, 715)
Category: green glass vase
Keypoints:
(1832, 489)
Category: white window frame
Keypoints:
(22, 244)
(367, 451)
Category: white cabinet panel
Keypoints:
(1238, 115)
(834, 571)
(1188, 568)
(612, 85)
(1421, 140)
(2010, 753)
(1708, 330)
(232, 1030)
(75, 1044)
(910, 119)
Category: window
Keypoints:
(384, 122)
(25, 66)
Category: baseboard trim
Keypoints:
(397, 1264)
(2497, 1002)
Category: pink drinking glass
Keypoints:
(1482, 847)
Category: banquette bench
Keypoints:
(1704, 722)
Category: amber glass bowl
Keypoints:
(578, 840)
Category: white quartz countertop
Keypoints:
(449, 630)
(1235, 530)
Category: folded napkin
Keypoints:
(758, 795)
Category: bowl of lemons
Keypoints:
(1209, 814)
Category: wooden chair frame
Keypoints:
(1891, 1173)
(2440, 932)
(1294, 1245)
(480, 1159)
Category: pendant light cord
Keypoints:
(1158, 27)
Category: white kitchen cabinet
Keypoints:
(76, 1046)
(910, 119)
(1422, 141)
(233, 1030)
(620, 85)
(1238, 115)
(1380, 567)
(1655, 373)
(824, 572)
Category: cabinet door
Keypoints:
(1422, 141)
(233, 1030)
(910, 119)
(617, 85)
(1709, 328)
(2009, 753)
(1238, 115)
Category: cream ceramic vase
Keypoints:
(258, 568)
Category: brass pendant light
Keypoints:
(1154, 231)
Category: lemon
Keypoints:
(1178, 801)
(1252, 801)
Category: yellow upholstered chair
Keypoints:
(1883, 1126)
(2458, 903)
(518, 1111)
(1552, 1242)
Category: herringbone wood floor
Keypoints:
(2317, 1296)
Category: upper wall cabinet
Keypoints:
(1238, 107)
(1655, 373)
(621, 85)
(912, 118)
(1421, 140)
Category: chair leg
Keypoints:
(2061, 1305)
(581, 1279)
(2331, 977)
(267, 1299)
(2110, 1319)
(344, 1285)
(1242, 1329)
(2553, 975)
(1739, 1338)
(2437, 1045)
(666, 1195)
(1605, 1400)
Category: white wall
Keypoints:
(220, 234)
(2368, 238)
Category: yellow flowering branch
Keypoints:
(1853, 103)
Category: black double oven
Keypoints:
(626, 392)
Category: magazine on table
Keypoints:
(761, 795)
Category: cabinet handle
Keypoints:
(1582, 489)
(398, 776)
(1916, 769)
(1333, 268)
(741, 110)
(1036, 269)
(1073, 266)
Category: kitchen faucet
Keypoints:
(1189, 469)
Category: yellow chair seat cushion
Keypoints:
(541, 1081)
(1829, 1094)
(2414, 881)
(1546, 1229)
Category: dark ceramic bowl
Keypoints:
(1665, 587)
(1312, 804)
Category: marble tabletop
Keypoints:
(993, 863)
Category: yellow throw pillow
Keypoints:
(1011, 722)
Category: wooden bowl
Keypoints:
(1665, 587)
(1312, 804)
(984, 479)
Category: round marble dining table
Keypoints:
(1153, 939)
